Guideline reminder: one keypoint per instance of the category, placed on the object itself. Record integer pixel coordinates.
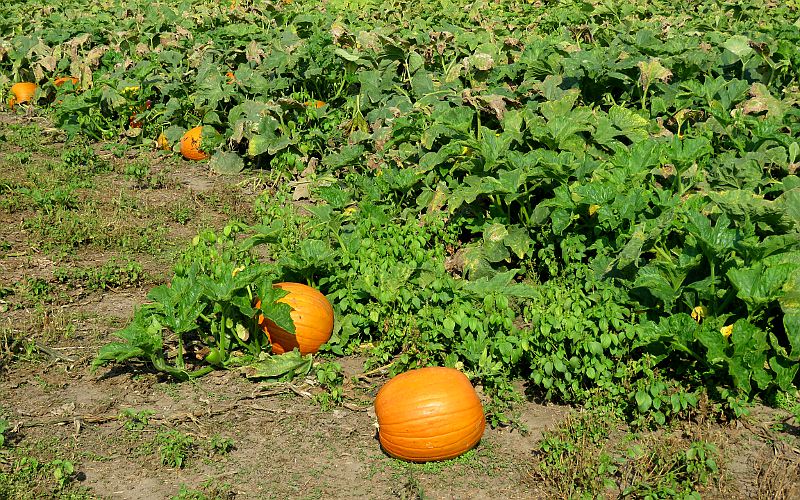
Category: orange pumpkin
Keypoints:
(231, 77)
(23, 92)
(429, 414)
(64, 79)
(190, 144)
(313, 320)
(314, 104)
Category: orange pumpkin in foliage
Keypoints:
(313, 320)
(23, 92)
(64, 79)
(190, 144)
(429, 414)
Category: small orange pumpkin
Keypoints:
(314, 104)
(23, 92)
(231, 77)
(429, 414)
(190, 144)
(64, 79)
(313, 320)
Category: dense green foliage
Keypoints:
(598, 196)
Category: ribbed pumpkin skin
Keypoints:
(190, 144)
(429, 414)
(313, 320)
(23, 92)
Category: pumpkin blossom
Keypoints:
(726, 331)
(699, 312)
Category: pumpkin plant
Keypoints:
(429, 414)
(206, 314)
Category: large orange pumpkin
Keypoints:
(190, 144)
(429, 414)
(23, 92)
(313, 320)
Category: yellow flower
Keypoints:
(699, 313)
(593, 209)
(349, 210)
(726, 331)
(236, 271)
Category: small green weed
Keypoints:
(182, 213)
(219, 445)
(174, 447)
(4, 426)
(143, 177)
(588, 456)
(113, 274)
(28, 137)
(30, 478)
(135, 420)
(330, 378)
(82, 160)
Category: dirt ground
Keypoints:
(249, 440)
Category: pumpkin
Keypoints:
(313, 320)
(64, 79)
(190, 144)
(314, 104)
(231, 77)
(429, 414)
(23, 92)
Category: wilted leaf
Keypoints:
(226, 163)
(283, 367)
(651, 71)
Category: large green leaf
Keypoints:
(790, 304)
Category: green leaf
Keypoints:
(759, 285)
(226, 163)
(518, 240)
(347, 156)
(643, 401)
(739, 45)
(347, 56)
(785, 371)
(116, 352)
(278, 312)
(790, 304)
(280, 368)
